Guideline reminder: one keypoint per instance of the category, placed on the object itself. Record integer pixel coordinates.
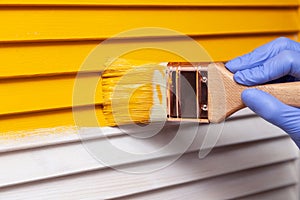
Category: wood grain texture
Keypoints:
(225, 93)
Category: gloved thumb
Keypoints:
(274, 111)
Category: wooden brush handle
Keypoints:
(225, 94)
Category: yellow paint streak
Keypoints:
(160, 96)
(14, 135)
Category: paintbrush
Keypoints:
(135, 92)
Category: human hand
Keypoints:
(276, 61)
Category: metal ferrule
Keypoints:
(187, 95)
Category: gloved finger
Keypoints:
(285, 63)
(274, 111)
(261, 54)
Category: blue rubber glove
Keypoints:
(277, 61)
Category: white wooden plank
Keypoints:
(188, 168)
(104, 185)
(289, 193)
(230, 186)
(52, 136)
(49, 157)
(59, 160)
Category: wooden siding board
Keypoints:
(42, 46)
(92, 185)
(56, 151)
(277, 194)
(23, 124)
(229, 186)
(43, 93)
(32, 24)
(72, 32)
(56, 58)
(69, 134)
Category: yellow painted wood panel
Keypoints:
(43, 58)
(52, 23)
(66, 57)
(219, 48)
(226, 48)
(56, 91)
(18, 124)
(154, 2)
(42, 93)
(64, 36)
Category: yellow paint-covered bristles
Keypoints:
(133, 92)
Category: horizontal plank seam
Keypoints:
(92, 40)
(218, 34)
(95, 169)
(49, 110)
(51, 76)
(195, 181)
(147, 6)
(77, 139)
(260, 191)
(269, 190)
